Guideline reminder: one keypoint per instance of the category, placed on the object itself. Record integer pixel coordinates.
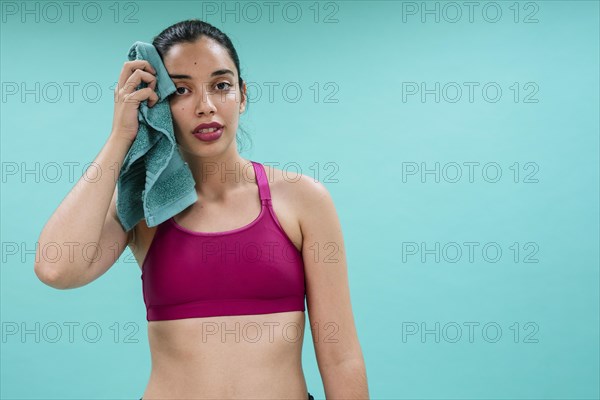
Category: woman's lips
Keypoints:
(209, 136)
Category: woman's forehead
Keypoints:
(201, 52)
(197, 59)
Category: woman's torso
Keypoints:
(238, 356)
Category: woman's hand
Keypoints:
(127, 99)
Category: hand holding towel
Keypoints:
(154, 182)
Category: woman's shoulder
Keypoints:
(299, 189)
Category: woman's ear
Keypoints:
(244, 98)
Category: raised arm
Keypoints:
(83, 238)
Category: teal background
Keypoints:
(368, 133)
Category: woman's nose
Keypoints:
(205, 104)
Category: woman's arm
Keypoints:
(78, 222)
(83, 231)
(335, 339)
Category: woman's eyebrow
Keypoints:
(215, 73)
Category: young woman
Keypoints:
(224, 281)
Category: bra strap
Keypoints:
(263, 183)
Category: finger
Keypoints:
(140, 95)
(153, 99)
(130, 67)
(136, 78)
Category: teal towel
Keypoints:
(154, 182)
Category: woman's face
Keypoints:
(207, 90)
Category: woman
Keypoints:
(224, 281)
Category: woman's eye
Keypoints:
(181, 87)
(224, 83)
(219, 87)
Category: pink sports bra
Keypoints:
(255, 269)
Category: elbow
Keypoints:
(350, 357)
(50, 277)
(329, 358)
(356, 362)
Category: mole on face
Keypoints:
(194, 62)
